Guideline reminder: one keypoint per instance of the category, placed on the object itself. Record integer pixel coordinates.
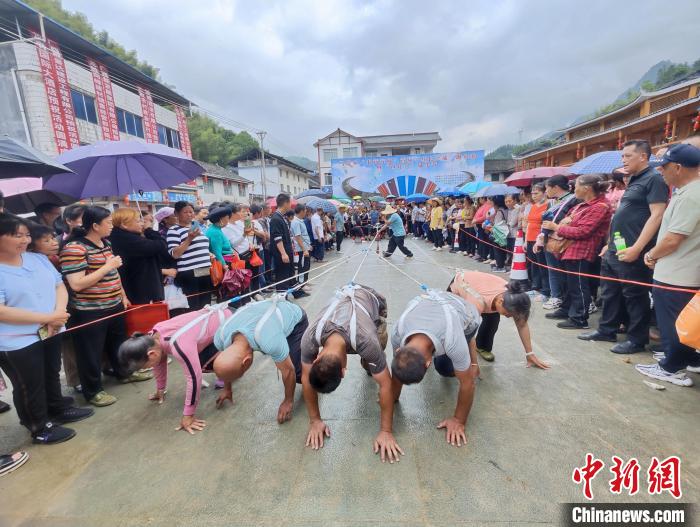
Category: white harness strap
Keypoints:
(274, 308)
(431, 295)
(347, 291)
(202, 319)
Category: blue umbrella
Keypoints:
(117, 168)
(452, 192)
(316, 192)
(599, 163)
(417, 198)
(475, 186)
(315, 203)
(499, 189)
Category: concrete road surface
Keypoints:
(527, 431)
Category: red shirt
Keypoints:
(588, 228)
(534, 220)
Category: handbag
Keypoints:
(688, 323)
(557, 245)
(216, 272)
(174, 297)
(255, 260)
(499, 233)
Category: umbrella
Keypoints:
(475, 186)
(389, 196)
(316, 203)
(313, 192)
(336, 202)
(18, 160)
(451, 191)
(417, 198)
(525, 178)
(600, 163)
(498, 189)
(22, 195)
(116, 168)
(357, 198)
(376, 199)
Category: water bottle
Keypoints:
(619, 242)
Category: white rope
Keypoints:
(365, 257)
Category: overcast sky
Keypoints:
(475, 71)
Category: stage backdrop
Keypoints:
(404, 175)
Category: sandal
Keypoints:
(10, 462)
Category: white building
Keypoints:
(59, 91)
(340, 144)
(281, 175)
(222, 183)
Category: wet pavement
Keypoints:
(527, 431)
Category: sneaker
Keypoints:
(78, 388)
(486, 355)
(408, 256)
(137, 376)
(103, 399)
(499, 270)
(4, 407)
(258, 297)
(11, 462)
(439, 249)
(572, 324)
(72, 415)
(657, 372)
(386, 254)
(434, 249)
(592, 308)
(541, 298)
(552, 303)
(52, 434)
(658, 355)
(693, 369)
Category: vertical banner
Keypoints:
(182, 128)
(105, 112)
(148, 110)
(58, 96)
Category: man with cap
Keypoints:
(438, 327)
(219, 244)
(674, 260)
(352, 323)
(273, 327)
(398, 232)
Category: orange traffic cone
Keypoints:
(518, 270)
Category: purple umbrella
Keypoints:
(117, 168)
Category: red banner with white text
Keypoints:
(182, 128)
(53, 72)
(106, 111)
(148, 111)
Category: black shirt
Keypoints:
(643, 189)
(279, 230)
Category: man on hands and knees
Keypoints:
(274, 327)
(438, 327)
(353, 322)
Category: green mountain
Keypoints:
(304, 162)
(660, 75)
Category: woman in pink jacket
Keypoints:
(189, 338)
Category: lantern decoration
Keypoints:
(578, 151)
(667, 128)
(126, 200)
(619, 140)
(696, 122)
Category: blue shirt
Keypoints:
(273, 333)
(374, 217)
(396, 225)
(298, 228)
(31, 286)
(339, 222)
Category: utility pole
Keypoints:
(262, 135)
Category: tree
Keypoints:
(79, 23)
(215, 144)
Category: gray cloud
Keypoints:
(475, 71)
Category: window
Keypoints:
(417, 151)
(329, 179)
(228, 189)
(168, 136)
(350, 152)
(370, 153)
(241, 189)
(130, 123)
(208, 185)
(329, 153)
(83, 106)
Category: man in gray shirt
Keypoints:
(353, 322)
(438, 327)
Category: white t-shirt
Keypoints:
(317, 226)
(234, 233)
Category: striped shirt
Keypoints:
(83, 255)
(196, 255)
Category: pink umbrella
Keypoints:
(526, 178)
(23, 194)
(272, 203)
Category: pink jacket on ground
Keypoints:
(187, 347)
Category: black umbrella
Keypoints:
(20, 160)
(22, 195)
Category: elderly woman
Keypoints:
(142, 250)
(583, 231)
(218, 242)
